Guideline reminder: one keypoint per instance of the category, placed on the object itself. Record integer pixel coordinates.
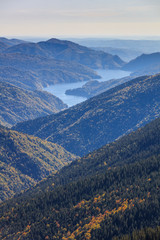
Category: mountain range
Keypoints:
(144, 46)
(68, 51)
(46, 71)
(145, 64)
(17, 105)
(112, 191)
(101, 119)
(35, 65)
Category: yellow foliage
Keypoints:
(87, 236)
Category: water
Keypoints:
(60, 89)
(109, 74)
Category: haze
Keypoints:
(79, 18)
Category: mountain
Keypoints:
(11, 42)
(69, 51)
(141, 144)
(17, 105)
(145, 62)
(101, 119)
(7, 43)
(154, 69)
(110, 203)
(25, 160)
(40, 71)
(93, 88)
(127, 54)
(34, 79)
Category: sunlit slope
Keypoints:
(102, 119)
(25, 160)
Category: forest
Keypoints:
(121, 201)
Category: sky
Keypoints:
(79, 18)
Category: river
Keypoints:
(60, 89)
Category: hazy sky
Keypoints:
(79, 17)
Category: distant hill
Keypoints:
(144, 46)
(11, 42)
(25, 160)
(69, 51)
(37, 79)
(17, 105)
(41, 71)
(101, 119)
(112, 192)
(145, 62)
(7, 43)
(127, 54)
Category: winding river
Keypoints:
(60, 89)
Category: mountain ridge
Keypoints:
(17, 104)
(144, 62)
(101, 119)
(69, 51)
(43, 71)
(25, 160)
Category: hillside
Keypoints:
(7, 43)
(69, 51)
(23, 79)
(3, 46)
(119, 200)
(41, 71)
(102, 119)
(139, 145)
(147, 62)
(93, 88)
(25, 160)
(18, 105)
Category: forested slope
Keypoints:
(100, 207)
(102, 119)
(107, 203)
(25, 160)
(17, 104)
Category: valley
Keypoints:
(101, 119)
(79, 139)
(62, 90)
